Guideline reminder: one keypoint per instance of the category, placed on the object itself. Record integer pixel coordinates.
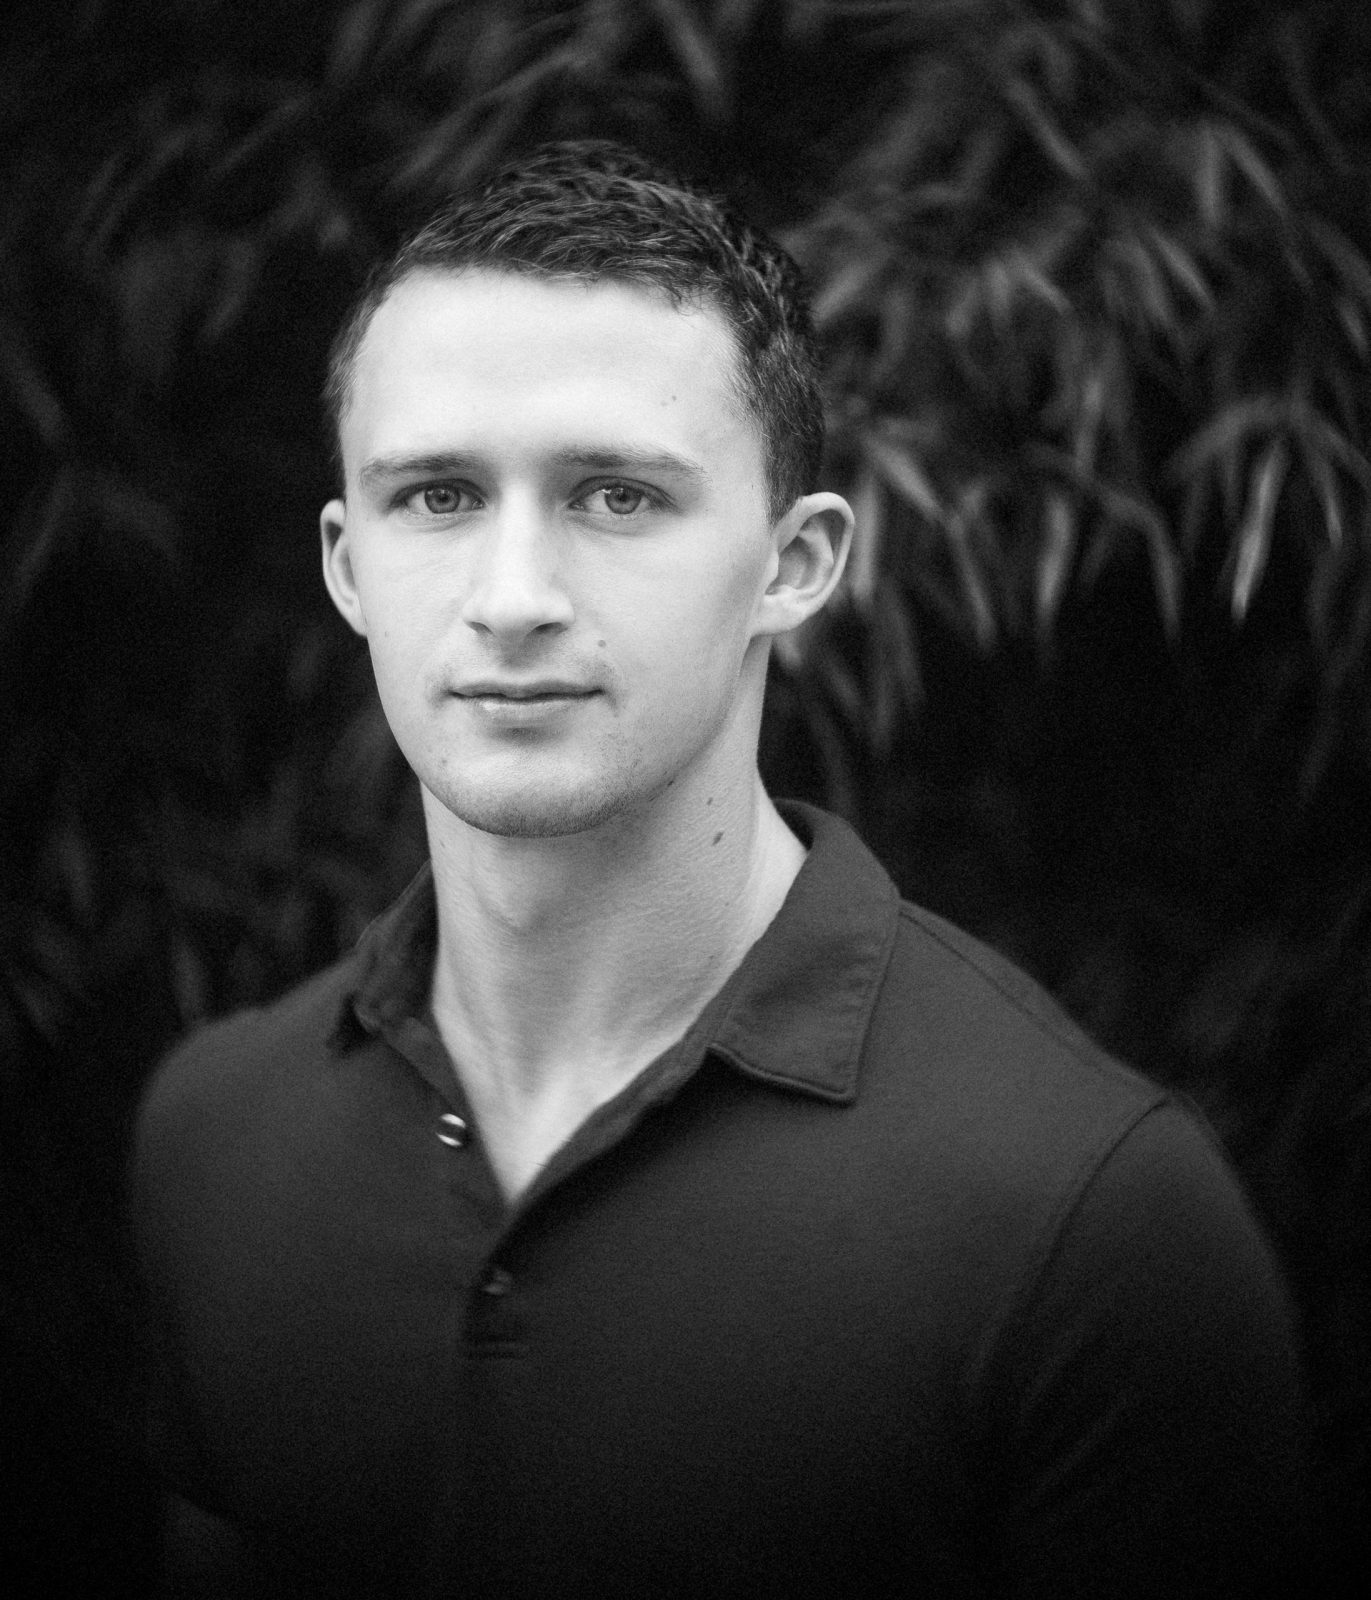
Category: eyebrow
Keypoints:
(384, 470)
(627, 459)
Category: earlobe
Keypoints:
(339, 578)
(812, 542)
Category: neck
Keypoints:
(566, 964)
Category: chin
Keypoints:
(527, 813)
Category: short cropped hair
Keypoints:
(595, 211)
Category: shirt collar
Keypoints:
(395, 959)
(795, 1012)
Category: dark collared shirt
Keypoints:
(882, 1280)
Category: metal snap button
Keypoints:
(452, 1130)
(497, 1282)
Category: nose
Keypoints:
(517, 589)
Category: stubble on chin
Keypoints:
(549, 810)
(520, 817)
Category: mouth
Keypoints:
(543, 690)
(506, 708)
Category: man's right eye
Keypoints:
(440, 499)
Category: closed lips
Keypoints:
(522, 691)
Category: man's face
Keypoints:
(555, 539)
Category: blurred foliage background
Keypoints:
(1095, 281)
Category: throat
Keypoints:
(522, 1126)
(547, 1018)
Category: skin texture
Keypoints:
(550, 486)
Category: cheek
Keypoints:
(398, 663)
(707, 594)
(689, 644)
(406, 609)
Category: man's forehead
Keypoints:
(511, 303)
(455, 342)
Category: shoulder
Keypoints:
(933, 1012)
(1114, 1201)
(1023, 1132)
(954, 974)
(242, 1067)
(958, 1023)
(959, 1065)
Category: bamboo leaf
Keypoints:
(125, 507)
(843, 689)
(1349, 314)
(1089, 415)
(892, 670)
(848, 288)
(1320, 595)
(1060, 537)
(278, 119)
(460, 157)
(532, 78)
(33, 396)
(1181, 265)
(1319, 470)
(902, 657)
(899, 468)
(899, 320)
(131, 183)
(1229, 430)
(1254, 536)
(1350, 263)
(958, 528)
(1144, 283)
(868, 505)
(1338, 446)
(51, 524)
(1291, 42)
(1049, 136)
(1127, 510)
(410, 20)
(1244, 156)
(239, 272)
(1208, 170)
(355, 39)
(696, 54)
(75, 863)
(1030, 276)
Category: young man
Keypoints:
(652, 1204)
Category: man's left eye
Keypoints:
(621, 499)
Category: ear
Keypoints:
(809, 553)
(339, 578)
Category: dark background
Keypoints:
(1095, 283)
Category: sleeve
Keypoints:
(201, 1555)
(1148, 1405)
(167, 1415)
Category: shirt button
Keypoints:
(496, 1282)
(452, 1130)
